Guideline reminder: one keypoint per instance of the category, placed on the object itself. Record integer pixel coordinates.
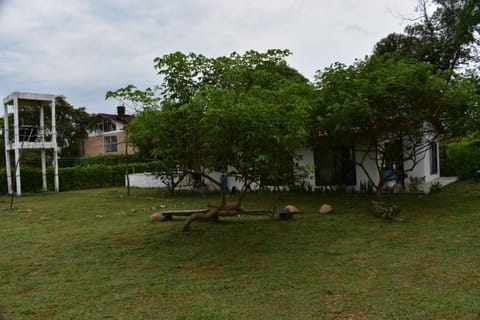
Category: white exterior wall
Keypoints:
(370, 165)
(231, 181)
(145, 180)
(119, 126)
(148, 180)
(423, 167)
(307, 160)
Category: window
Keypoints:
(110, 144)
(105, 125)
(433, 158)
(335, 166)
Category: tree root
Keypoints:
(211, 214)
(388, 213)
(228, 210)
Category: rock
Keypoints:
(325, 209)
(158, 217)
(292, 209)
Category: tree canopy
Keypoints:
(380, 101)
(244, 115)
(448, 38)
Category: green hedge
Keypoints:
(31, 180)
(107, 160)
(79, 177)
(462, 158)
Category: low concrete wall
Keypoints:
(149, 180)
(144, 180)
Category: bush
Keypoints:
(78, 177)
(100, 176)
(462, 158)
(107, 160)
(31, 179)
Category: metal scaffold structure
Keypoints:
(32, 137)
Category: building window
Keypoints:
(335, 166)
(433, 158)
(105, 125)
(110, 144)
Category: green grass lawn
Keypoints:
(93, 255)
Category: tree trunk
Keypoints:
(126, 163)
(211, 214)
(379, 191)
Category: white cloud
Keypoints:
(83, 48)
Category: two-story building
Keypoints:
(107, 135)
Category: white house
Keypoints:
(334, 165)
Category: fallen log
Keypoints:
(187, 212)
(168, 214)
(230, 213)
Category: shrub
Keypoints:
(31, 179)
(78, 177)
(462, 158)
(108, 160)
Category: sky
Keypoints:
(82, 49)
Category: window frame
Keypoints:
(110, 146)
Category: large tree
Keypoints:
(391, 109)
(243, 115)
(446, 35)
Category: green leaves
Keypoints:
(447, 38)
(135, 98)
(381, 95)
(246, 112)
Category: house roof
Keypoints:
(122, 119)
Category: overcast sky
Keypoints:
(83, 48)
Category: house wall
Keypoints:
(145, 180)
(423, 168)
(231, 181)
(307, 160)
(94, 145)
(149, 180)
(370, 165)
